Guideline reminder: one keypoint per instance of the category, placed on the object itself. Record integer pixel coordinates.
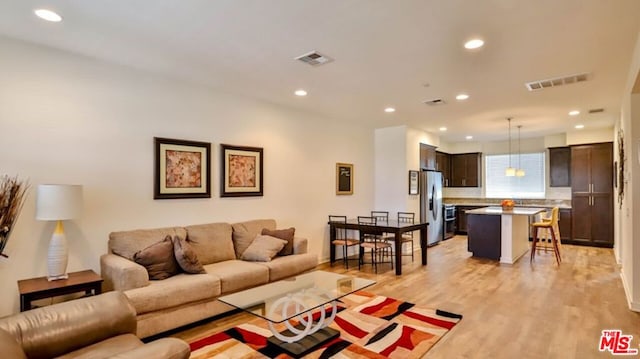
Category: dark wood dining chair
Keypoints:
(407, 217)
(343, 240)
(383, 217)
(378, 247)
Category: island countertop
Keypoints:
(516, 211)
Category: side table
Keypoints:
(40, 288)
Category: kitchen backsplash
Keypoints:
(462, 192)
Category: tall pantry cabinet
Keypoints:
(592, 194)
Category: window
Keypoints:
(500, 186)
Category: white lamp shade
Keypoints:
(510, 172)
(57, 202)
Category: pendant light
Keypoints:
(519, 171)
(510, 171)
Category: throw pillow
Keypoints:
(186, 257)
(158, 259)
(263, 249)
(286, 234)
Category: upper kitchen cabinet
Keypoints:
(466, 170)
(443, 164)
(592, 194)
(560, 167)
(427, 157)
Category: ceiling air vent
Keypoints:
(558, 81)
(434, 102)
(314, 58)
(596, 110)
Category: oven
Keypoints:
(449, 211)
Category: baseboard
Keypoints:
(635, 306)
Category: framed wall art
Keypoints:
(413, 182)
(344, 178)
(242, 169)
(181, 169)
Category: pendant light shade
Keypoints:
(509, 171)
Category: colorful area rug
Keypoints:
(370, 326)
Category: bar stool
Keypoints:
(551, 226)
(343, 240)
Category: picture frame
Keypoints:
(242, 171)
(414, 180)
(344, 178)
(181, 169)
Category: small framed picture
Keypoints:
(413, 182)
(344, 178)
(181, 169)
(241, 171)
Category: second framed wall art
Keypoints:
(241, 172)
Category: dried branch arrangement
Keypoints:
(12, 195)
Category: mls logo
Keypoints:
(617, 343)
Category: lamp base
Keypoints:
(57, 257)
(58, 277)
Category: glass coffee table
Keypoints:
(296, 300)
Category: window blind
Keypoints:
(500, 186)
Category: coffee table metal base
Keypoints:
(306, 344)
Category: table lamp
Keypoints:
(58, 202)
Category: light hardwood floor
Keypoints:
(536, 310)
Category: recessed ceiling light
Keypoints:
(469, 137)
(473, 44)
(443, 129)
(301, 92)
(389, 110)
(574, 113)
(48, 15)
(462, 97)
(579, 127)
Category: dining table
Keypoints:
(391, 226)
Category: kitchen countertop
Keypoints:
(481, 202)
(516, 211)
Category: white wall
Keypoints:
(590, 136)
(71, 119)
(390, 168)
(628, 247)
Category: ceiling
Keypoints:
(387, 53)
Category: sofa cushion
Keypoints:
(10, 347)
(286, 234)
(263, 248)
(177, 290)
(106, 348)
(236, 274)
(186, 256)
(127, 243)
(158, 259)
(287, 266)
(211, 242)
(245, 232)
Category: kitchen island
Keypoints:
(499, 234)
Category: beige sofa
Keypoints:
(102, 326)
(182, 299)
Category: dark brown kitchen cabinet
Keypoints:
(427, 157)
(443, 164)
(559, 167)
(564, 224)
(461, 218)
(466, 170)
(592, 194)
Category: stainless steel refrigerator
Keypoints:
(431, 209)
